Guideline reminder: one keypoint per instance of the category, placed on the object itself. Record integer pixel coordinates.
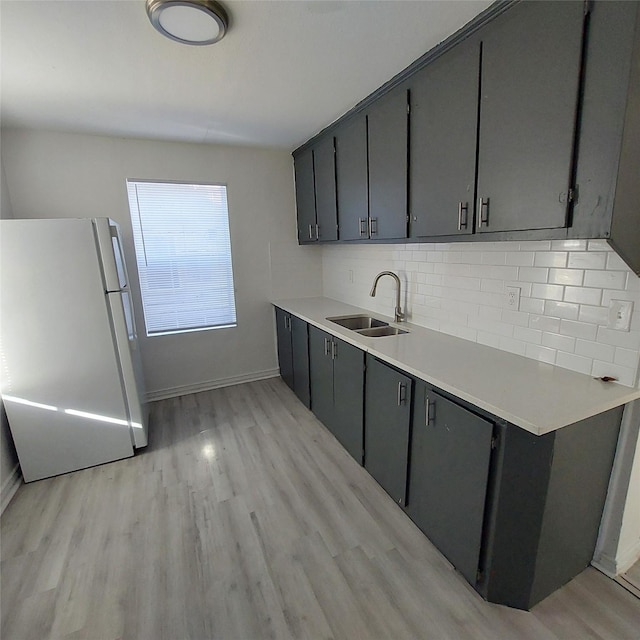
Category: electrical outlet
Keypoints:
(620, 314)
(513, 298)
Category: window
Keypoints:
(183, 252)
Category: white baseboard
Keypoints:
(628, 557)
(623, 561)
(174, 392)
(9, 487)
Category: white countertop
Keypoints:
(536, 396)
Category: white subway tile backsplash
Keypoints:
(543, 323)
(573, 277)
(568, 310)
(521, 258)
(532, 305)
(550, 259)
(543, 354)
(583, 295)
(625, 375)
(595, 350)
(593, 315)
(547, 291)
(516, 318)
(615, 262)
(578, 329)
(557, 341)
(493, 257)
(626, 357)
(569, 245)
(514, 346)
(492, 286)
(533, 274)
(566, 287)
(525, 334)
(489, 339)
(605, 279)
(586, 260)
(574, 362)
(625, 339)
(536, 245)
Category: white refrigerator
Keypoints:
(70, 369)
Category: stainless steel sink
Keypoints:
(358, 322)
(377, 332)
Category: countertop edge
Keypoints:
(620, 396)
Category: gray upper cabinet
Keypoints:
(388, 131)
(315, 170)
(305, 196)
(442, 154)
(531, 60)
(352, 178)
(450, 458)
(324, 166)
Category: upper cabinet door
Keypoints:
(442, 160)
(351, 178)
(305, 196)
(531, 57)
(324, 164)
(388, 128)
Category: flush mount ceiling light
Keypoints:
(189, 21)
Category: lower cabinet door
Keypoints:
(300, 359)
(321, 375)
(450, 455)
(348, 397)
(386, 435)
(285, 349)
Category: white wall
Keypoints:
(459, 288)
(52, 175)
(628, 551)
(8, 458)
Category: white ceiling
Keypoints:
(285, 69)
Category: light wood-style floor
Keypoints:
(244, 519)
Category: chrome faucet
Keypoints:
(398, 311)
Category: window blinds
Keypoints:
(183, 252)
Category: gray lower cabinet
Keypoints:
(531, 61)
(387, 424)
(547, 494)
(337, 388)
(293, 354)
(517, 514)
(450, 459)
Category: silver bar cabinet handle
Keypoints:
(463, 211)
(429, 411)
(334, 350)
(317, 234)
(483, 212)
(326, 346)
(361, 226)
(373, 227)
(401, 393)
(310, 232)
